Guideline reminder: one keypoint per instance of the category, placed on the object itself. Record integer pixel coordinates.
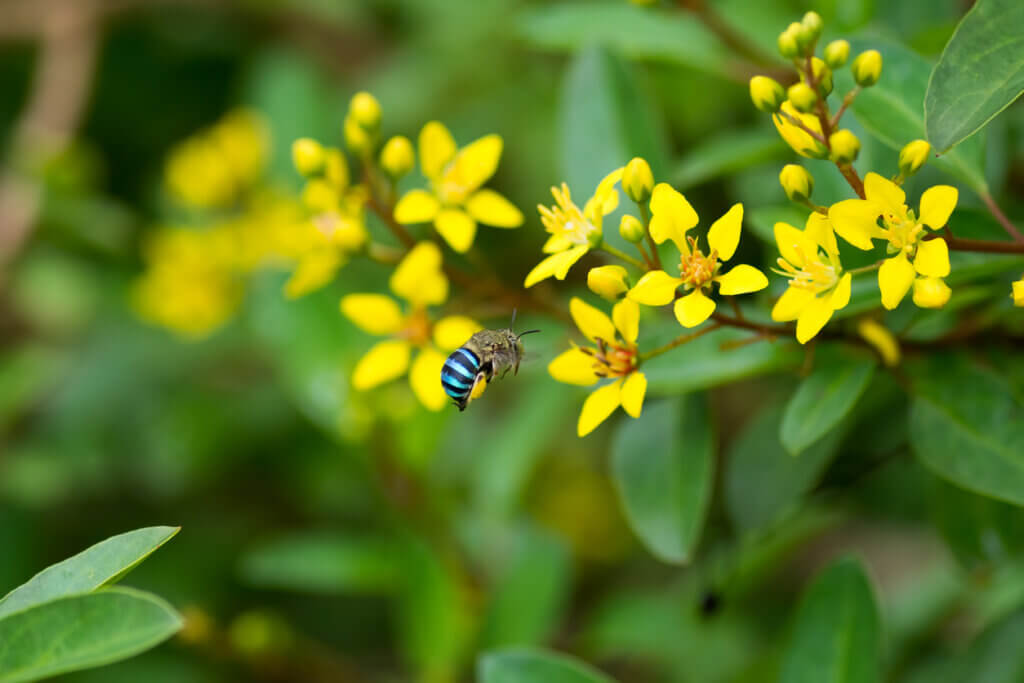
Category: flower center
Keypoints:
(566, 220)
(695, 268)
(417, 328)
(902, 230)
(612, 359)
(451, 192)
(816, 275)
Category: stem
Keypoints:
(865, 269)
(736, 308)
(679, 341)
(1001, 217)
(726, 33)
(398, 230)
(852, 178)
(623, 255)
(847, 101)
(643, 253)
(763, 328)
(985, 246)
(800, 124)
(645, 216)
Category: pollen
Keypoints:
(565, 219)
(695, 268)
(612, 359)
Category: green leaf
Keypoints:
(980, 73)
(836, 635)
(97, 566)
(762, 480)
(634, 32)
(893, 110)
(704, 363)
(662, 464)
(535, 666)
(725, 153)
(605, 122)
(82, 631)
(824, 399)
(996, 655)
(967, 425)
(325, 563)
(979, 530)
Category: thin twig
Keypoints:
(1001, 217)
(679, 341)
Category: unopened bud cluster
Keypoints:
(362, 123)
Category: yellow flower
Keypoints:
(455, 201)
(607, 281)
(856, 221)
(796, 137)
(817, 285)
(671, 217)
(1018, 292)
(420, 281)
(609, 357)
(574, 232)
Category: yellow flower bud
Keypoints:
(845, 147)
(796, 182)
(631, 229)
(788, 46)
(307, 155)
(812, 25)
(365, 110)
(319, 196)
(822, 75)
(804, 38)
(931, 292)
(397, 157)
(766, 93)
(638, 180)
(607, 281)
(913, 156)
(836, 53)
(802, 96)
(336, 168)
(1018, 293)
(356, 137)
(867, 68)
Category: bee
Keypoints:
(487, 353)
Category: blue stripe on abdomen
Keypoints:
(459, 373)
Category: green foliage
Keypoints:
(528, 666)
(980, 73)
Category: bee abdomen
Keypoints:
(459, 374)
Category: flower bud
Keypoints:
(356, 137)
(607, 281)
(913, 156)
(766, 93)
(336, 168)
(867, 68)
(812, 25)
(879, 336)
(836, 53)
(796, 182)
(822, 76)
(397, 157)
(365, 110)
(631, 229)
(318, 196)
(308, 156)
(804, 38)
(845, 147)
(637, 180)
(931, 292)
(802, 96)
(1018, 293)
(788, 46)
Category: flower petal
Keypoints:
(416, 206)
(855, 220)
(457, 229)
(418, 278)
(455, 330)
(814, 317)
(742, 279)
(314, 270)
(932, 258)
(556, 243)
(490, 208)
(883, 341)
(724, 234)
(881, 190)
(626, 315)
(795, 245)
(694, 308)
(556, 265)
(894, 279)
(820, 230)
(931, 292)
(672, 216)
(937, 204)
(374, 313)
(655, 288)
(633, 390)
(607, 281)
(591, 321)
(475, 163)
(798, 139)
(573, 367)
(791, 304)
(437, 148)
(384, 362)
(598, 406)
(424, 378)
(841, 294)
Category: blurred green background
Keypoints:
(329, 536)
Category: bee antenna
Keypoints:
(512, 324)
(521, 334)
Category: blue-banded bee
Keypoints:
(487, 353)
